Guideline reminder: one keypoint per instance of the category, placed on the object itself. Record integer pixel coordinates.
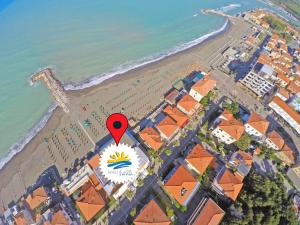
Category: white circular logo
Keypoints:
(120, 163)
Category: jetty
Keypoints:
(54, 86)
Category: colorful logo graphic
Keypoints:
(118, 161)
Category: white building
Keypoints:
(256, 126)
(260, 80)
(274, 140)
(77, 180)
(202, 87)
(286, 112)
(228, 130)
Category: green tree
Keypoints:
(205, 101)
(153, 153)
(244, 142)
(177, 205)
(204, 128)
(170, 211)
(133, 212)
(234, 108)
(183, 208)
(262, 201)
(168, 152)
(140, 182)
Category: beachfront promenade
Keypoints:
(66, 138)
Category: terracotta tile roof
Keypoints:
(59, 218)
(289, 153)
(96, 183)
(284, 92)
(232, 127)
(94, 162)
(151, 138)
(204, 86)
(167, 126)
(275, 37)
(283, 77)
(257, 151)
(288, 109)
(171, 97)
(231, 184)
(227, 115)
(211, 214)
(200, 158)
(264, 59)
(293, 87)
(180, 118)
(20, 219)
(251, 40)
(247, 158)
(181, 184)
(90, 202)
(37, 197)
(258, 123)
(152, 214)
(188, 103)
(276, 139)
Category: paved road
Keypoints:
(120, 215)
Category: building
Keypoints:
(152, 214)
(274, 140)
(74, 182)
(283, 94)
(286, 112)
(282, 80)
(171, 97)
(199, 159)
(179, 117)
(167, 128)
(295, 102)
(207, 213)
(60, 217)
(260, 80)
(294, 87)
(242, 161)
(188, 105)
(36, 199)
(90, 201)
(56, 216)
(24, 218)
(286, 155)
(228, 131)
(202, 87)
(181, 185)
(228, 183)
(230, 53)
(256, 126)
(151, 138)
(117, 191)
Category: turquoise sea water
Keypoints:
(82, 39)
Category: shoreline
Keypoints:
(107, 77)
(135, 93)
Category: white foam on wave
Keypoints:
(95, 80)
(17, 147)
(229, 7)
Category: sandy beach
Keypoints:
(63, 141)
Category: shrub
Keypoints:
(133, 212)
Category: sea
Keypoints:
(86, 42)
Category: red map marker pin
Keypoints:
(117, 124)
